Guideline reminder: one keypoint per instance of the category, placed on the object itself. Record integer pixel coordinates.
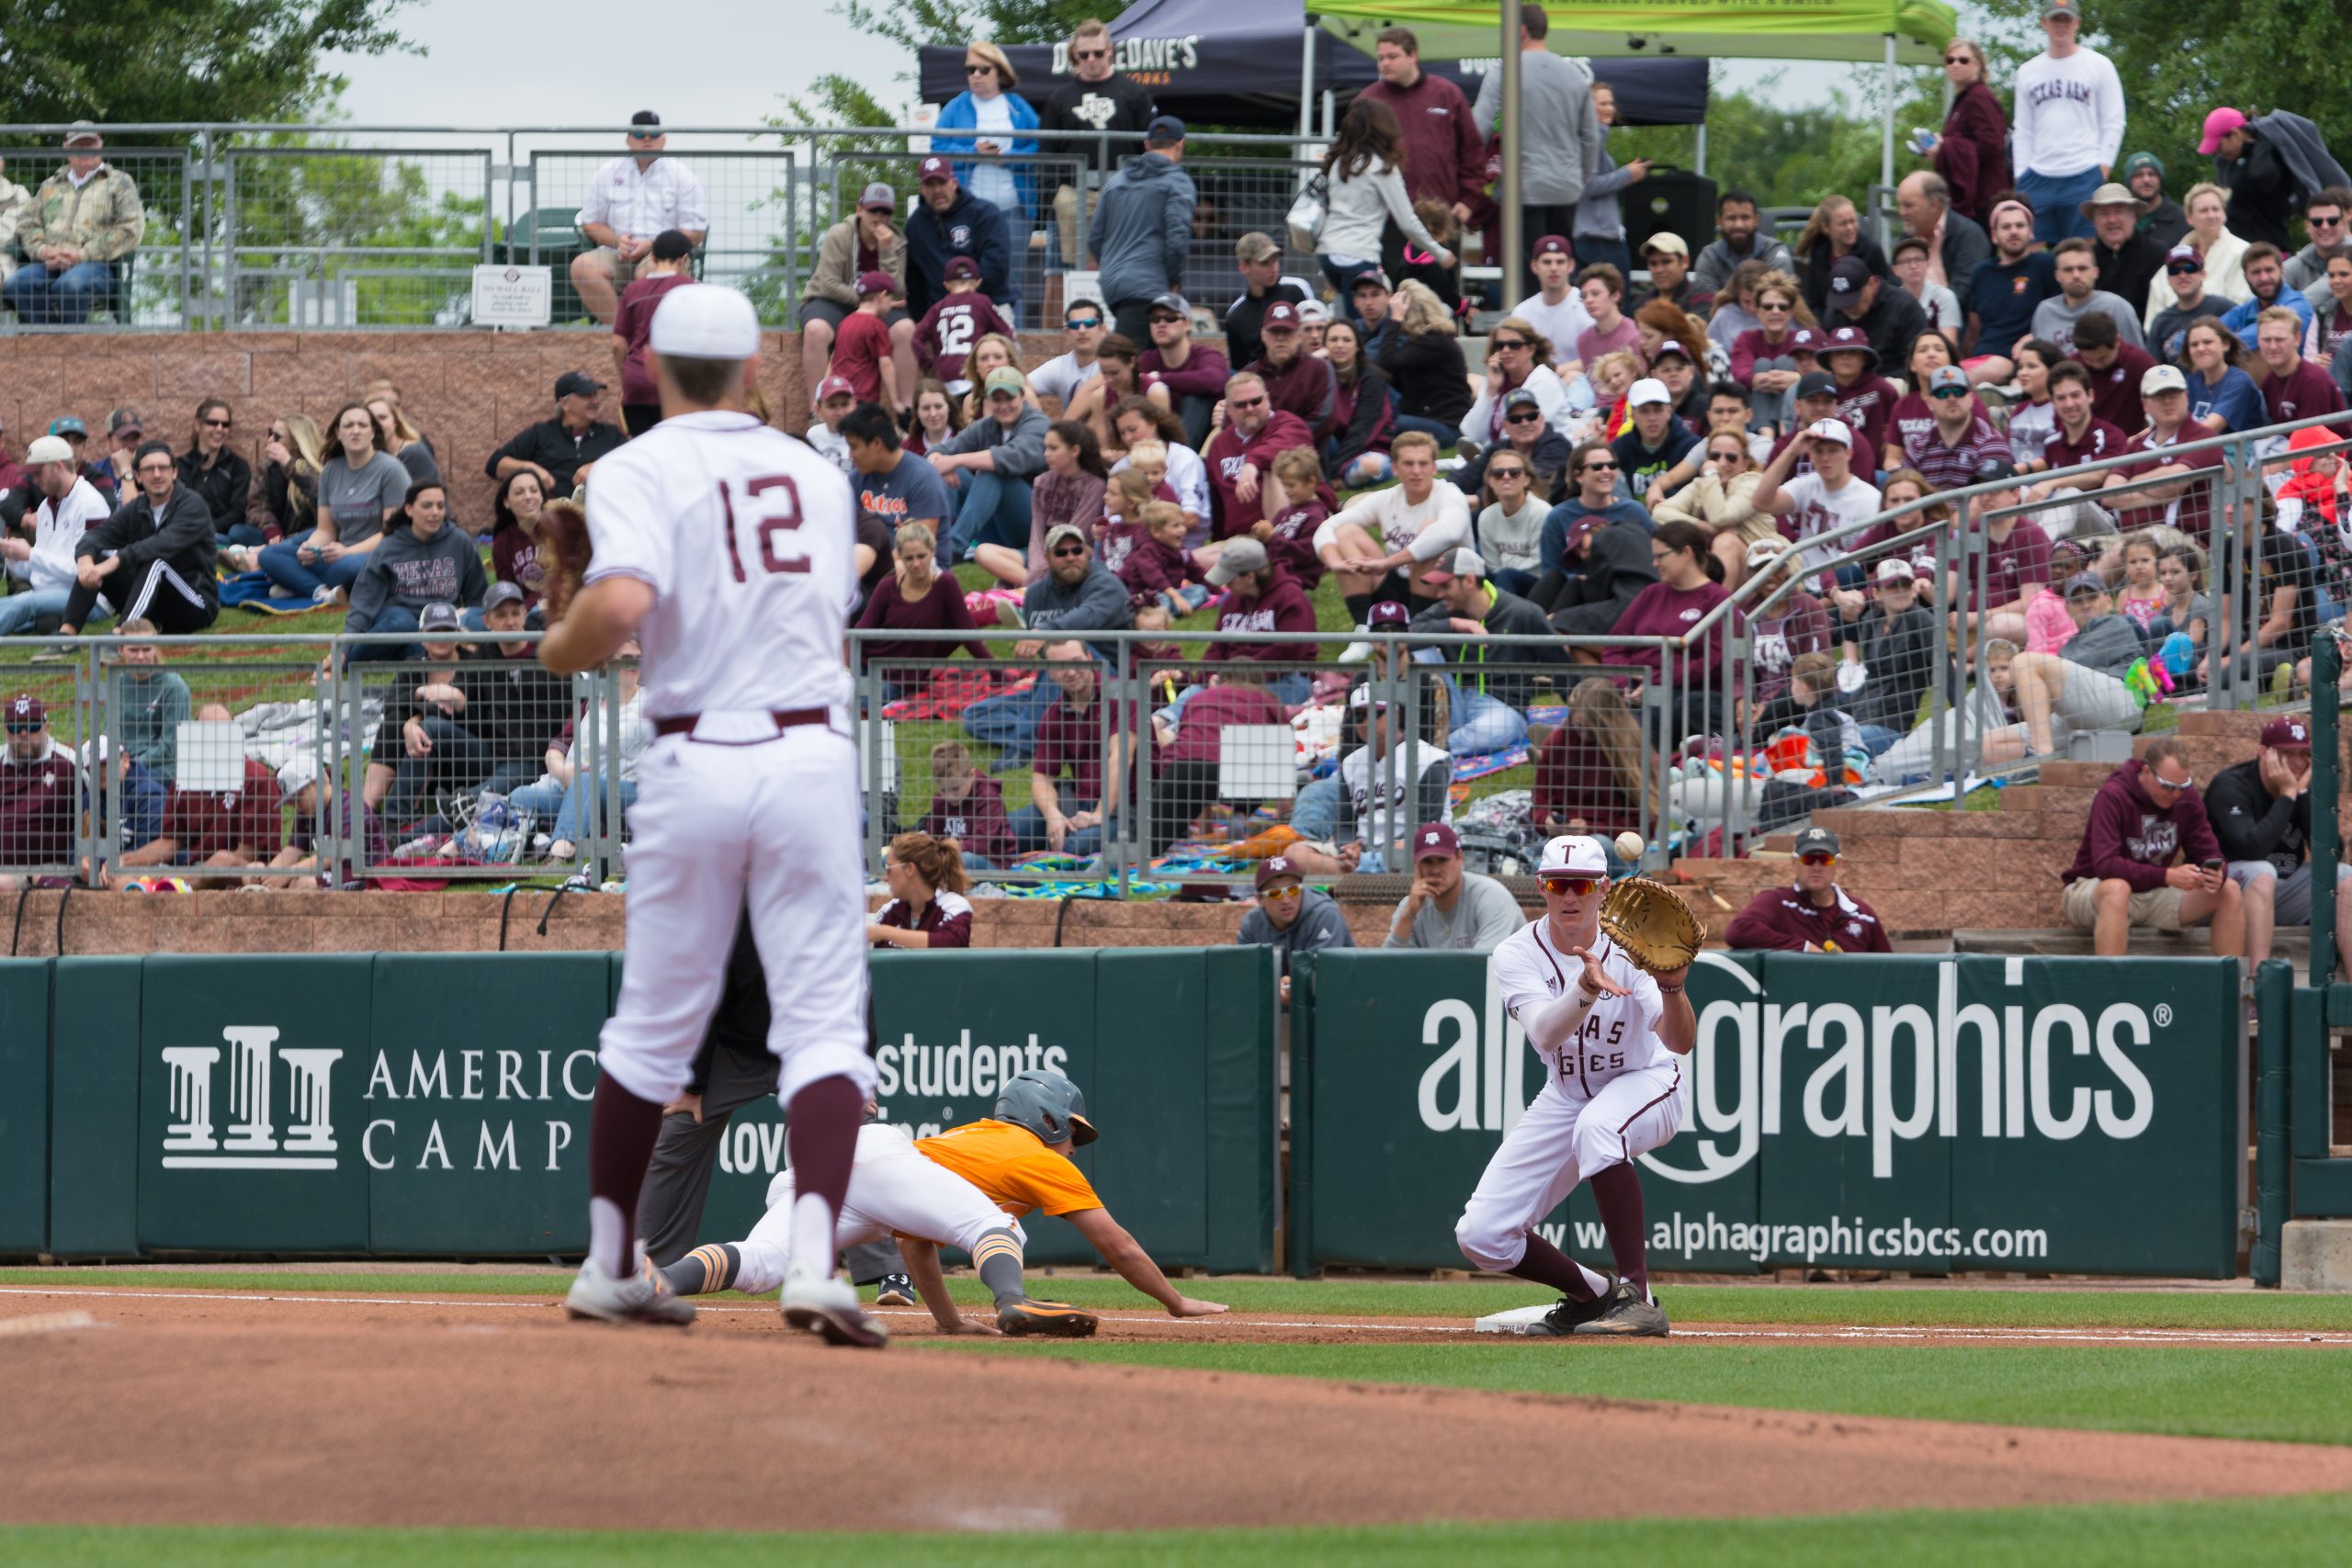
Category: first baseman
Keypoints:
(957, 1189)
(724, 546)
(1612, 1038)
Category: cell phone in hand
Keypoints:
(2210, 863)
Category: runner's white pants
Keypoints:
(720, 819)
(1560, 1140)
(892, 1190)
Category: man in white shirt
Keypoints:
(1557, 309)
(1830, 497)
(46, 564)
(2069, 126)
(1062, 376)
(1418, 519)
(630, 201)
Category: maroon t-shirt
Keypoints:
(944, 337)
(632, 325)
(2193, 513)
(2099, 439)
(2015, 564)
(1575, 782)
(1293, 546)
(1073, 740)
(1203, 375)
(1200, 734)
(977, 822)
(514, 558)
(39, 807)
(2115, 391)
(942, 609)
(202, 823)
(860, 346)
(1661, 610)
(1868, 405)
(2302, 393)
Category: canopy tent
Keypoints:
(1735, 29)
(1893, 32)
(1244, 61)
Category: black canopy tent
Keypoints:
(1241, 62)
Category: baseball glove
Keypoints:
(1655, 928)
(564, 553)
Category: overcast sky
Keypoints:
(594, 62)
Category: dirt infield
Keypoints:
(193, 1407)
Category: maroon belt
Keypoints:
(786, 719)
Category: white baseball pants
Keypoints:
(1559, 1142)
(893, 1191)
(722, 817)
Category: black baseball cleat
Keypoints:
(1567, 1318)
(896, 1290)
(1053, 1319)
(1626, 1312)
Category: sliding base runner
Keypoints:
(1611, 1036)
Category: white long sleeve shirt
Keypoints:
(58, 526)
(2069, 115)
(1438, 524)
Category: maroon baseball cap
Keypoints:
(1281, 313)
(1387, 613)
(960, 266)
(1435, 841)
(933, 168)
(1804, 340)
(29, 712)
(2292, 732)
(834, 385)
(1274, 868)
(1553, 245)
(878, 282)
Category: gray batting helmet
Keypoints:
(1047, 1104)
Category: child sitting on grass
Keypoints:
(1158, 571)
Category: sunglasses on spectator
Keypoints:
(645, 136)
(17, 727)
(1958, 59)
(217, 425)
(1563, 886)
(2178, 268)
(1772, 305)
(1943, 393)
(1524, 416)
(1598, 469)
(1505, 473)
(1507, 343)
(1091, 53)
(1818, 857)
(1165, 319)
(1069, 550)
(974, 67)
(1280, 895)
(2160, 782)
(1728, 455)
(2316, 221)
(1258, 402)
(1076, 321)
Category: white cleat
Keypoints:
(1356, 652)
(643, 1297)
(829, 1308)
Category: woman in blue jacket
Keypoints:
(996, 115)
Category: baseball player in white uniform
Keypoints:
(1612, 1038)
(724, 546)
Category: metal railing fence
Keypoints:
(352, 227)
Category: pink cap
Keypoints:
(2218, 124)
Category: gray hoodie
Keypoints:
(1319, 925)
(1142, 232)
(1020, 451)
(1560, 141)
(1097, 602)
(2110, 645)
(412, 573)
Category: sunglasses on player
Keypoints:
(1569, 886)
(1818, 857)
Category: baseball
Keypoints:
(1629, 844)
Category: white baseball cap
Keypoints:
(1573, 854)
(2160, 379)
(705, 320)
(1649, 389)
(295, 773)
(1835, 430)
(48, 449)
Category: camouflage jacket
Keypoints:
(103, 218)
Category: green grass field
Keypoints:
(2281, 1532)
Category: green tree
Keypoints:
(134, 60)
(914, 23)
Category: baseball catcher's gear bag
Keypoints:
(564, 553)
(1655, 928)
(1047, 1104)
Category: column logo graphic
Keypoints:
(252, 1141)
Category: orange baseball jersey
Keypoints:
(1016, 1172)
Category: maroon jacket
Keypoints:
(1152, 568)
(1973, 156)
(41, 803)
(1445, 159)
(1282, 608)
(1229, 451)
(1305, 386)
(1574, 781)
(948, 918)
(2129, 839)
(1293, 546)
(1784, 920)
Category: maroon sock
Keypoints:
(1547, 1265)
(820, 1134)
(622, 1130)
(1617, 1193)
